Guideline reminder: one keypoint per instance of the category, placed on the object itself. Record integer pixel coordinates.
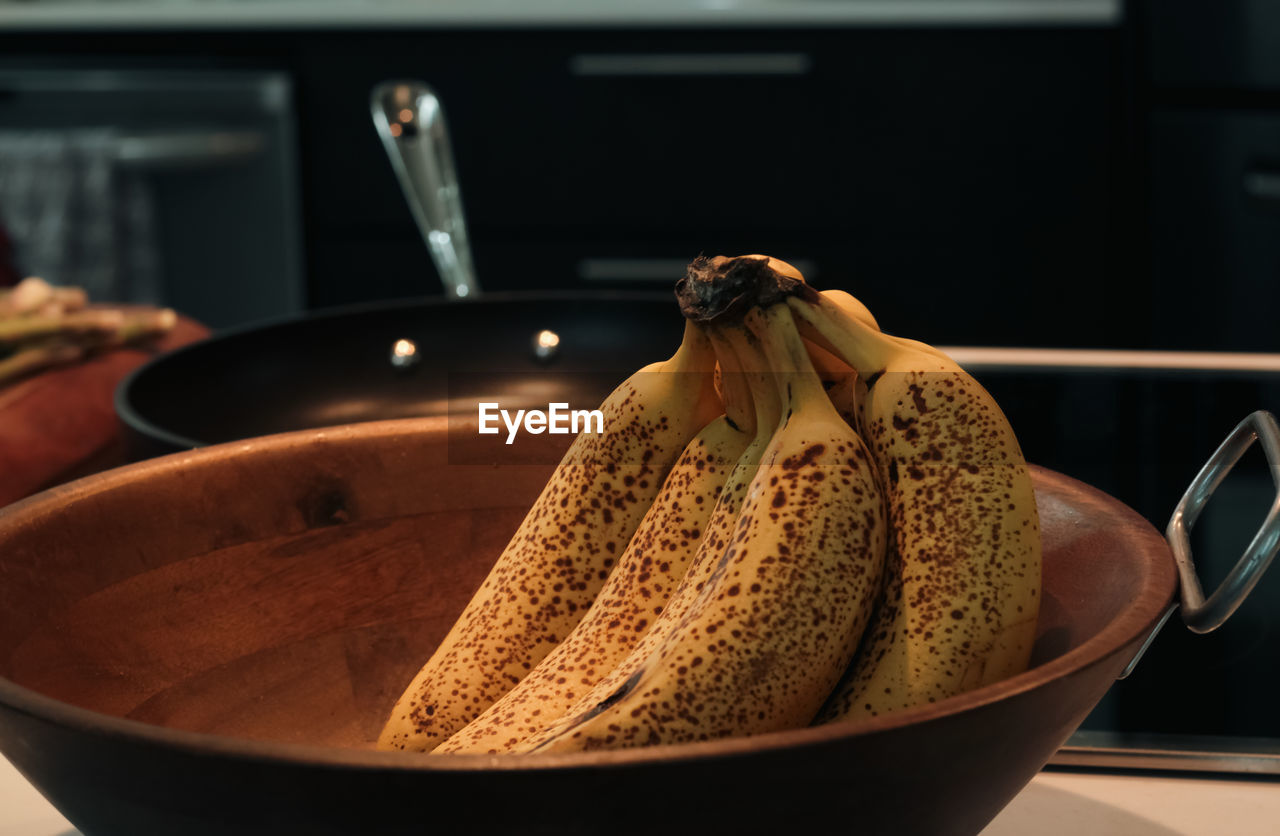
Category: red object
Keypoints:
(61, 424)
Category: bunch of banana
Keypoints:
(778, 618)
(715, 540)
(551, 571)
(962, 598)
(856, 534)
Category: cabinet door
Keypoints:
(583, 132)
(962, 181)
(1216, 229)
(1219, 45)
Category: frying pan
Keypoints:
(341, 367)
(430, 356)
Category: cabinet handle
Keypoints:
(685, 64)
(1262, 184)
(649, 269)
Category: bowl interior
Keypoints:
(287, 588)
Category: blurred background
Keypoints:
(1011, 173)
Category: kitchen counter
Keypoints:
(223, 14)
(1053, 804)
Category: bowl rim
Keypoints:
(1123, 631)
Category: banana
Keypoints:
(777, 621)
(851, 305)
(652, 565)
(715, 540)
(558, 559)
(962, 596)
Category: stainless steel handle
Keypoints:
(686, 64)
(409, 120)
(1203, 615)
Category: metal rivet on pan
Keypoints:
(404, 354)
(546, 345)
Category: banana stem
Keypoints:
(794, 375)
(735, 389)
(868, 351)
(764, 395)
(695, 354)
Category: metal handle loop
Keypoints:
(410, 122)
(1203, 615)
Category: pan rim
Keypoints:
(134, 421)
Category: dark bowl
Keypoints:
(208, 643)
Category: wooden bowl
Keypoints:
(207, 643)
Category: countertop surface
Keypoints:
(1053, 804)
(211, 14)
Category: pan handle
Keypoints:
(1200, 614)
(410, 122)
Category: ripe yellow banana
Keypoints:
(637, 590)
(776, 623)
(719, 529)
(963, 578)
(552, 569)
(852, 306)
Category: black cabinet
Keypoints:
(963, 182)
(1214, 196)
(1216, 228)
